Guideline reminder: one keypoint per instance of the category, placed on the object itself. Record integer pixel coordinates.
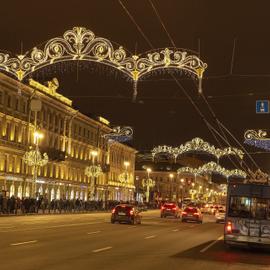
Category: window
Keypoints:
(9, 101)
(245, 207)
(239, 207)
(1, 97)
(260, 208)
(17, 105)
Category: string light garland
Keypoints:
(81, 44)
(212, 167)
(196, 145)
(120, 134)
(35, 158)
(257, 139)
(93, 171)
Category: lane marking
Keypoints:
(94, 232)
(23, 243)
(150, 237)
(101, 249)
(71, 225)
(175, 230)
(211, 244)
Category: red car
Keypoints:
(192, 214)
(170, 209)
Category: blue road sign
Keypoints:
(262, 106)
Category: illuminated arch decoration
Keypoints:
(82, 44)
(257, 139)
(196, 145)
(213, 167)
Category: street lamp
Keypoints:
(182, 180)
(148, 183)
(93, 171)
(171, 179)
(35, 158)
(124, 177)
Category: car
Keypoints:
(126, 213)
(220, 216)
(142, 207)
(192, 214)
(170, 209)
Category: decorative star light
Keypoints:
(196, 145)
(82, 44)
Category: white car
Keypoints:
(220, 216)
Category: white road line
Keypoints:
(101, 249)
(150, 237)
(211, 244)
(175, 230)
(94, 232)
(71, 225)
(23, 243)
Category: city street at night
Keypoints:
(90, 241)
(134, 135)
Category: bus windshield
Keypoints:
(246, 207)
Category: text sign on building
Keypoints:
(262, 106)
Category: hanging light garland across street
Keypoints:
(196, 145)
(81, 44)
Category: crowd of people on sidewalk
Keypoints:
(41, 205)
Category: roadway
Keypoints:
(90, 241)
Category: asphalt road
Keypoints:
(90, 241)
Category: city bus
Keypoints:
(247, 220)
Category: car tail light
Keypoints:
(184, 213)
(162, 207)
(113, 211)
(131, 212)
(229, 227)
(174, 208)
(196, 214)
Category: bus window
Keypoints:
(239, 207)
(260, 208)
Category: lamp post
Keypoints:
(182, 180)
(93, 171)
(125, 177)
(171, 179)
(148, 183)
(35, 158)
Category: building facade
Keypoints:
(69, 139)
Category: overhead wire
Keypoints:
(210, 127)
(138, 27)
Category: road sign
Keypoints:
(262, 106)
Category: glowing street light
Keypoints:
(148, 183)
(93, 171)
(35, 158)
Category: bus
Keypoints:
(247, 220)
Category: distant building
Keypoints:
(169, 186)
(69, 138)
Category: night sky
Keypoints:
(162, 115)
